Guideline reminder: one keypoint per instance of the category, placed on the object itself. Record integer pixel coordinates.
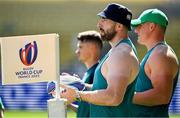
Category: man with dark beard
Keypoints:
(114, 79)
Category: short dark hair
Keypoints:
(90, 36)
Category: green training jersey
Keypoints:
(123, 109)
(143, 84)
(83, 109)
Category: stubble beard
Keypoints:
(108, 35)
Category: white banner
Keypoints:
(29, 59)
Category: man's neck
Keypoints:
(154, 43)
(117, 39)
(156, 37)
(91, 63)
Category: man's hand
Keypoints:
(69, 93)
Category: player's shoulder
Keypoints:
(159, 52)
(163, 53)
(122, 49)
(161, 49)
(122, 53)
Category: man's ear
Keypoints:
(119, 26)
(152, 26)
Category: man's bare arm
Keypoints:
(163, 69)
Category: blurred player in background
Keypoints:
(1, 109)
(159, 68)
(88, 52)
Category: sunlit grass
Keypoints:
(44, 114)
(32, 114)
(26, 114)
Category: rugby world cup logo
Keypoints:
(28, 55)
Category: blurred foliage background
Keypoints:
(68, 17)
